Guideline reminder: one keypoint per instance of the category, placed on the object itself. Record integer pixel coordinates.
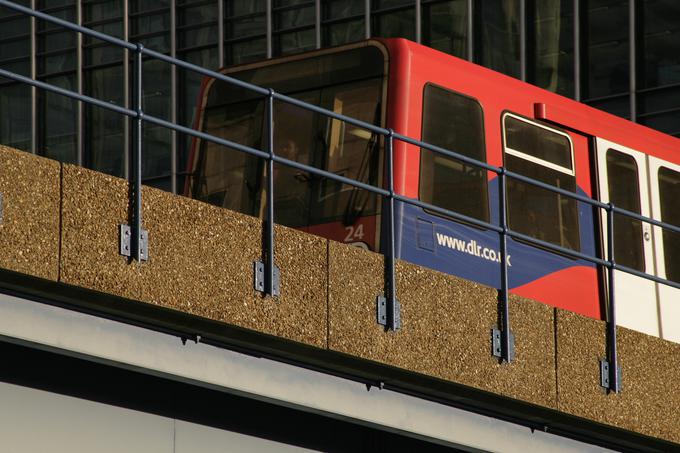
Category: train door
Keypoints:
(665, 191)
(623, 181)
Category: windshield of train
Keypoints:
(350, 83)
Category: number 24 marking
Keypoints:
(354, 234)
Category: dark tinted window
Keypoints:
(453, 122)
(669, 195)
(445, 26)
(607, 48)
(545, 155)
(552, 46)
(537, 142)
(393, 19)
(624, 193)
(348, 83)
(498, 36)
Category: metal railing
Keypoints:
(389, 193)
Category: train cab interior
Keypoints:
(351, 83)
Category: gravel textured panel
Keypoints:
(201, 259)
(650, 400)
(93, 206)
(29, 231)
(446, 327)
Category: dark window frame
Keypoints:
(620, 220)
(487, 213)
(546, 164)
(671, 273)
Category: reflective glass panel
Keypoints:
(394, 24)
(661, 44)
(534, 211)
(445, 27)
(669, 194)
(538, 142)
(607, 48)
(497, 44)
(624, 192)
(553, 46)
(234, 180)
(336, 33)
(15, 42)
(456, 123)
(105, 133)
(58, 121)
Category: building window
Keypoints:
(197, 35)
(498, 36)
(56, 64)
(552, 62)
(245, 31)
(105, 80)
(293, 28)
(659, 75)
(606, 81)
(342, 22)
(544, 154)
(15, 42)
(624, 193)
(393, 19)
(445, 26)
(150, 25)
(456, 123)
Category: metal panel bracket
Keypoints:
(259, 277)
(126, 242)
(497, 344)
(605, 374)
(392, 321)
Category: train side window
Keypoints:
(669, 194)
(456, 123)
(546, 155)
(624, 193)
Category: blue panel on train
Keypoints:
(474, 253)
(425, 234)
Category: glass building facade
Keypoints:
(622, 56)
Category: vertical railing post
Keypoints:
(269, 279)
(134, 240)
(267, 274)
(388, 309)
(393, 311)
(501, 338)
(610, 370)
(137, 241)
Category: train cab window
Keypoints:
(453, 122)
(544, 154)
(622, 182)
(349, 83)
(669, 194)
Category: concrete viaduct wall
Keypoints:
(61, 223)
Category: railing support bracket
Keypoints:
(606, 374)
(126, 242)
(388, 315)
(497, 345)
(260, 275)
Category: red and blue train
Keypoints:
(456, 105)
